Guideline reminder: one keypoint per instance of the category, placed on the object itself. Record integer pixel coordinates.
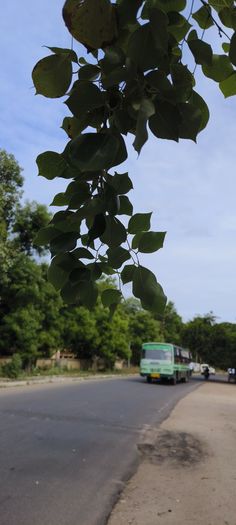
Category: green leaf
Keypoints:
(232, 49)
(45, 235)
(83, 253)
(220, 4)
(158, 25)
(120, 182)
(164, 5)
(225, 47)
(117, 256)
(92, 23)
(73, 126)
(51, 165)
(192, 35)
(81, 195)
(136, 239)
(126, 208)
(60, 200)
(127, 11)
(203, 17)
(183, 82)
(191, 121)
(70, 293)
(80, 274)
(88, 293)
(95, 270)
(71, 55)
(77, 187)
(178, 26)
(164, 124)
(98, 227)
(110, 297)
(115, 233)
(127, 273)
(67, 221)
(197, 101)
(66, 261)
(148, 290)
(114, 77)
(52, 76)
(139, 221)
(201, 51)
(84, 97)
(57, 276)
(220, 69)
(146, 110)
(89, 72)
(64, 242)
(228, 86)
(141, 49)
(227, 16)
(113, 204)
(83, 292)
(151, 241)
(95, 151)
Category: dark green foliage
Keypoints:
(142, 328)
(34, 321)
(211, 342)
(13, 368)
(139, 78)
(28, 220)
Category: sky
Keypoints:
(190, 188)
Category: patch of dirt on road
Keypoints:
(176, 448)
(187, 473)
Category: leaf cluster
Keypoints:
(135, 81)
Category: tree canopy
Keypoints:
(35, 322)
(139, 76)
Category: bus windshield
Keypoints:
(159, 354)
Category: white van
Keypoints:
(211, 369)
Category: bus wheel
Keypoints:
(173, 380)
(149, 379)
(186, 378)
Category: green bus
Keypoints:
(165, 361)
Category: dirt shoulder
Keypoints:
(187, 475)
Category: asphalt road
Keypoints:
(66, 450)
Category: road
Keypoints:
(66, 450)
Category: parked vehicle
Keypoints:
(211, 369)
(165, 361)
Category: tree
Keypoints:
(114, 342)
(172, 325)
(143, 327)
(28, 220)
(79, 332)
(30, 307)
(136, 78)
(18, 223)
(11, 182)
(197, 336)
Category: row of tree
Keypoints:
(35, 322)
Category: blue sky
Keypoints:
(190, 188)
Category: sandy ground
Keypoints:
(187, 474)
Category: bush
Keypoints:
(14, 368)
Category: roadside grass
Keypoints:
(64, 372)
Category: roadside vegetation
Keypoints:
(35, 322)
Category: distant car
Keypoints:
(211, 369)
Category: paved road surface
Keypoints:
(65, 449)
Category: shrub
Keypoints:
(14, 368)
